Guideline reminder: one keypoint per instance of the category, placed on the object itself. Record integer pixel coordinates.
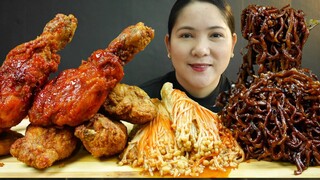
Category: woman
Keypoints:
(200, 42)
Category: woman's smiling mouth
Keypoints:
(200, 67)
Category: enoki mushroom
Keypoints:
(182, 140)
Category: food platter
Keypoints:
(81, 164)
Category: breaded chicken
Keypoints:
(131, 104)
(41, 147)
(102, 136)
(7, 138)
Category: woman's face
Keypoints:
(200, 47)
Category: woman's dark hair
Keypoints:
(222, 5)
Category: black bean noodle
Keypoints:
(274, 113)
(275, 40)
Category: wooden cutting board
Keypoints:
(81, 164)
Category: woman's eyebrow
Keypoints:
(216, 27)
(192, 28)
(185, 28)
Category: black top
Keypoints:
(153, 88)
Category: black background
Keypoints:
(100, 21)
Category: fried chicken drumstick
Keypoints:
(7, 138)
(77, 94)
(129, 103)
(28, 66)
(41, 147)
(102, 136)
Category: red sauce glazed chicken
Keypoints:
(28, 66)
(76, 95)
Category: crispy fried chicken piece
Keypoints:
(41, 147)
(102, 136)
(77, 94)
(7, 138)
(28, 66)
(131, 104)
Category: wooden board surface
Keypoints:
(82, 164)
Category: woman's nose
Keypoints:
(201, 48)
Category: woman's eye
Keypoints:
(216, 35)
(186, 35)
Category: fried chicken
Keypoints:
(7, 138)
(102, 136)
(28, 66)
(130, 103)
(76, 95)
(41, 147)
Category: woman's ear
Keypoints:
(234, 41)
(167, 43)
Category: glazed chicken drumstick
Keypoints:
(28, 66)
(76, 95)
